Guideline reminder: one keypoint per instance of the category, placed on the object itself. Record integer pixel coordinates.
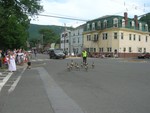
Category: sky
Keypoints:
(87, 10)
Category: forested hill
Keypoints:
(34, 30)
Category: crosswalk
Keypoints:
(4, 77)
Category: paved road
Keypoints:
(113, 86)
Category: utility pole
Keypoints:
(64, 37)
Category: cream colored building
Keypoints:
(117, 35)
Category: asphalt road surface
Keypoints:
(112, 86)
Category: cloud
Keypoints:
(88, 9)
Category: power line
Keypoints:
(63, 17)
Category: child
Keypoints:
(28, 60)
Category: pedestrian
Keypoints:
(28, 56)
(11, 61)
(84, 56)
(35, 52)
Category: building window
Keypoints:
(132, 23)
(88, 37)
(94, 49)
(130, 37)
(91, 49)
(109, 49)
(99, 24)
(144, 50)
(78, 40)
(139, 37)
(67, 41)
(115, 35)
(134, 37)
(101, 49)
(140, 26)
(88, 26)
(115, 22)
(123, 22)
(146, 27)
(105, 36)
(93, 26)
(130, 49)
(124, 49)
(105, 24)
(121, 35)
(140, 50)
(146, 38)
(96, 37)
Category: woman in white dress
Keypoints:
(11, 62)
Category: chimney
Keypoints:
(136, 20)
(126, 18)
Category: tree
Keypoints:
(48, 36)
(15, 21)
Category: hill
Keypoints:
(34, 30)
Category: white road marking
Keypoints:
(5, 80)
(13, 86)
(60, 101)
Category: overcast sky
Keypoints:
(87, 10)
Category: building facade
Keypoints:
(116, 35)
(65, 41)
(76, 40)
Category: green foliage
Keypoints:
(15, 22)
(52, 33)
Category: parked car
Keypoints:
(144, 55)
(56, 54)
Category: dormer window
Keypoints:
(93, 26)
(115, 22)
(123, 22)
(105, 23)
(99, 24)
(146, 27)
(88, 26)
(132, 23)
(140, 26)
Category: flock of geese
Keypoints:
(74, 65)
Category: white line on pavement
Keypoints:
(5, 80)
(13, 86)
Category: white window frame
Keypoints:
(105, 24)
(123, 22)
(93, 26)
(115, 22)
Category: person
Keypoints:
(11, 61)
(28, 56)
(35, 52)
(84, 56)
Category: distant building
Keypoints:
(76, 40)
(116, 35)
(65, 41)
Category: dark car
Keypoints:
(144, 55)
(56, 54)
